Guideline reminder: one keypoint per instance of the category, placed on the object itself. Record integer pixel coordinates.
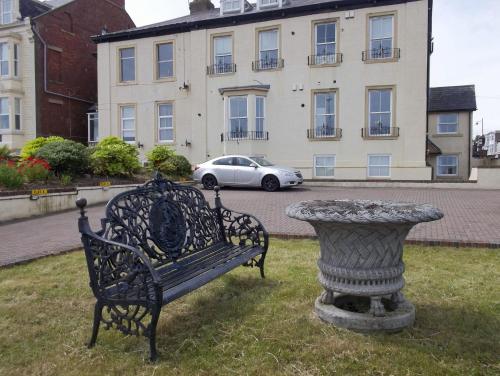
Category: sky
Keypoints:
(466, 46)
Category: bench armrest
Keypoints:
(243, 229)
(118, 272)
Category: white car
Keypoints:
(244, 171)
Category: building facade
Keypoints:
(49, 65)
(337, 89)
(449, 151)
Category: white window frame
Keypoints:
(3, 13)
(278, 56)
(324, 59)
(260, 134)
(123, 119)
(334, 114)
(231, 6)
(390, 112)
(160, 117)
(438, 165)
(371, 54)
(389, 156)
(218, 69)
(263, 4)
(93, 116)
(333, 166)
(4, 60)
(15, 54)
(122, 59)
(231, 133)
(17, 114)
(5, 114)
(440, 123)
(159, 62)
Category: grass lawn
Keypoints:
(240, 324)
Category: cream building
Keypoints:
(337, 89)
(449, 148)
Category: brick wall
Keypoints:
(72, 63)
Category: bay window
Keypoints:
(17, 114)
(4, 113)
(165, 122)
(4, 59)
(16, 60)
(238, 116)
(260, 117)
(6, 10)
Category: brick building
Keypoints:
(49, 80)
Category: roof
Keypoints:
(432, 148)
(32, 8)
(212, 18)
(57, 3)
(452, 98)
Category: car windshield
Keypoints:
(261, 161)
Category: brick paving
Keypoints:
(471, 218)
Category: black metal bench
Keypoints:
(158, 243)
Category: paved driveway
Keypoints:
(470, 217)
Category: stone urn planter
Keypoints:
(360, 266)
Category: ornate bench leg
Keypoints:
(97, 323)
(152, 335)
(260, 264)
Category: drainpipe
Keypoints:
(45, 86)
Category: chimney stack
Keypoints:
(197, 6)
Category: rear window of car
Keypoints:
(224, 162)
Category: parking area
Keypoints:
(471, 217)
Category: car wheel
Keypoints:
(209, 182)
(270, 183)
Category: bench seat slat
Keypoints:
(207, 275)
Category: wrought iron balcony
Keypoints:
(215, 69)
(380, 132)
(328, 59)
(324, 133)
(260, 65)
(381, 54)
(245, 135)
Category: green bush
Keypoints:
(158, 155)
(35, 173)
(176, 167)
(114, 157)
(65, 157)
(31, 147)
(5, 154)
(10, 177)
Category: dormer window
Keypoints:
(5, 11)
(269, 3)
(231, 6)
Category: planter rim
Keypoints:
(363, 212)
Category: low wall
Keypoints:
(26, 206)
(488, 178)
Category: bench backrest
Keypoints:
(167, 221)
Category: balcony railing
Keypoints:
(93, 143)
(381, 54)
(260, 65)
(324, 133)
(245, 135)
(221, 69)
(315, 60)
(376, 132)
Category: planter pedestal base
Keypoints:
(401, 317)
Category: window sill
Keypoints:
(268, 70)
(221, 74)
(9, 132)
(325, 65)
(166, 79)
(447, 135)
(320, 139)
(369, 138)
(381, 61)
(126, 83)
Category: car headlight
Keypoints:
(289, 174)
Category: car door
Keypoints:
(246, 173)
(225, 170)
